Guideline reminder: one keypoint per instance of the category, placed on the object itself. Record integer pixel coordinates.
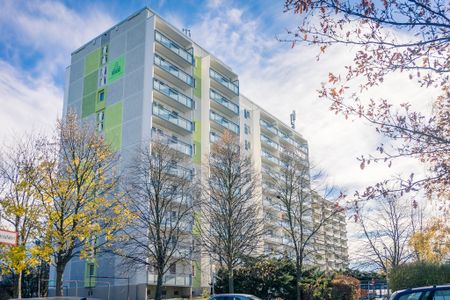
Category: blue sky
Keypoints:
(37, 37)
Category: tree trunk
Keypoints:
(298, 276)
(230, 280)
(59, 279)
(19, 285)
(159, 283)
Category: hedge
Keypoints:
(418, 274)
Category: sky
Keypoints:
(37, 38)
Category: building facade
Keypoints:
(144, 78)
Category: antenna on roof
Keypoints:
(293, 119)
(186, 31)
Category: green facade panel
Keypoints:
(92, 62)
(113, 125)
(197, 138)
(116, 69)
(89, 281)
(197, 279)
(198, 77)
(88, 105)
(90, 83)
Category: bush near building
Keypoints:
(418, 274)
(275, 278)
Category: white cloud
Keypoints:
(31, 98)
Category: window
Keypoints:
(246, 129)
(247, 145)
(442, 295)
(91, 270)
(173, 269)
(100, 120)
(101, 95)
(246, 114)
(193, 270)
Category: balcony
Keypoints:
(224, 102)
(269, 127)
(225, 82)
(285, 137)
(270, 142)
(173, 96)
(269, 157)
(174, 48)
(180, 76)
(273, 238)
(173, 142)
(214, 137)
(182, 172)
(172, 279)
(224, 122)
(173, 119)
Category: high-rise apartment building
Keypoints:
(330, 242)
(145, 78)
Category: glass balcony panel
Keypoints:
(213, 138)
(224, 122)
(172, 118)
(173, 142)
(270, 142)
(269, 126)
(172, 93)
(224, 81)
(175, 71)
(223, 101)
(169, 44)
(270, 157)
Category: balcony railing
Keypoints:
(172, 93)
(182, 172)
(173, 143)
(172, 279)
(269, 126)
(213, 137)
(169, 44)
(175, 71)
(270, 157)
(223, 101)
(224, 122)
(224, 81)
(172, 118)
(270, 142)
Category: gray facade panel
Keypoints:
(134, 59)
(117, 46)
(76, 70)
(136, 36)
(131, 133)
(134, 82)
(75, 107)
(75, 91)
(132, 107)
(115, 92)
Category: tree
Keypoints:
(233, 221)
(77, 184)
(386, 229)
(19, 207)
(390, 37)
(297, 202)
(432, 243)
(158, 195)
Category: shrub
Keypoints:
(345, 288)
(418, 274)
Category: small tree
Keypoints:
(292, 185)
(76, 183)
(432, 243)
(19, 207)
(233, 222)
(159, 193)
(386, 229)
